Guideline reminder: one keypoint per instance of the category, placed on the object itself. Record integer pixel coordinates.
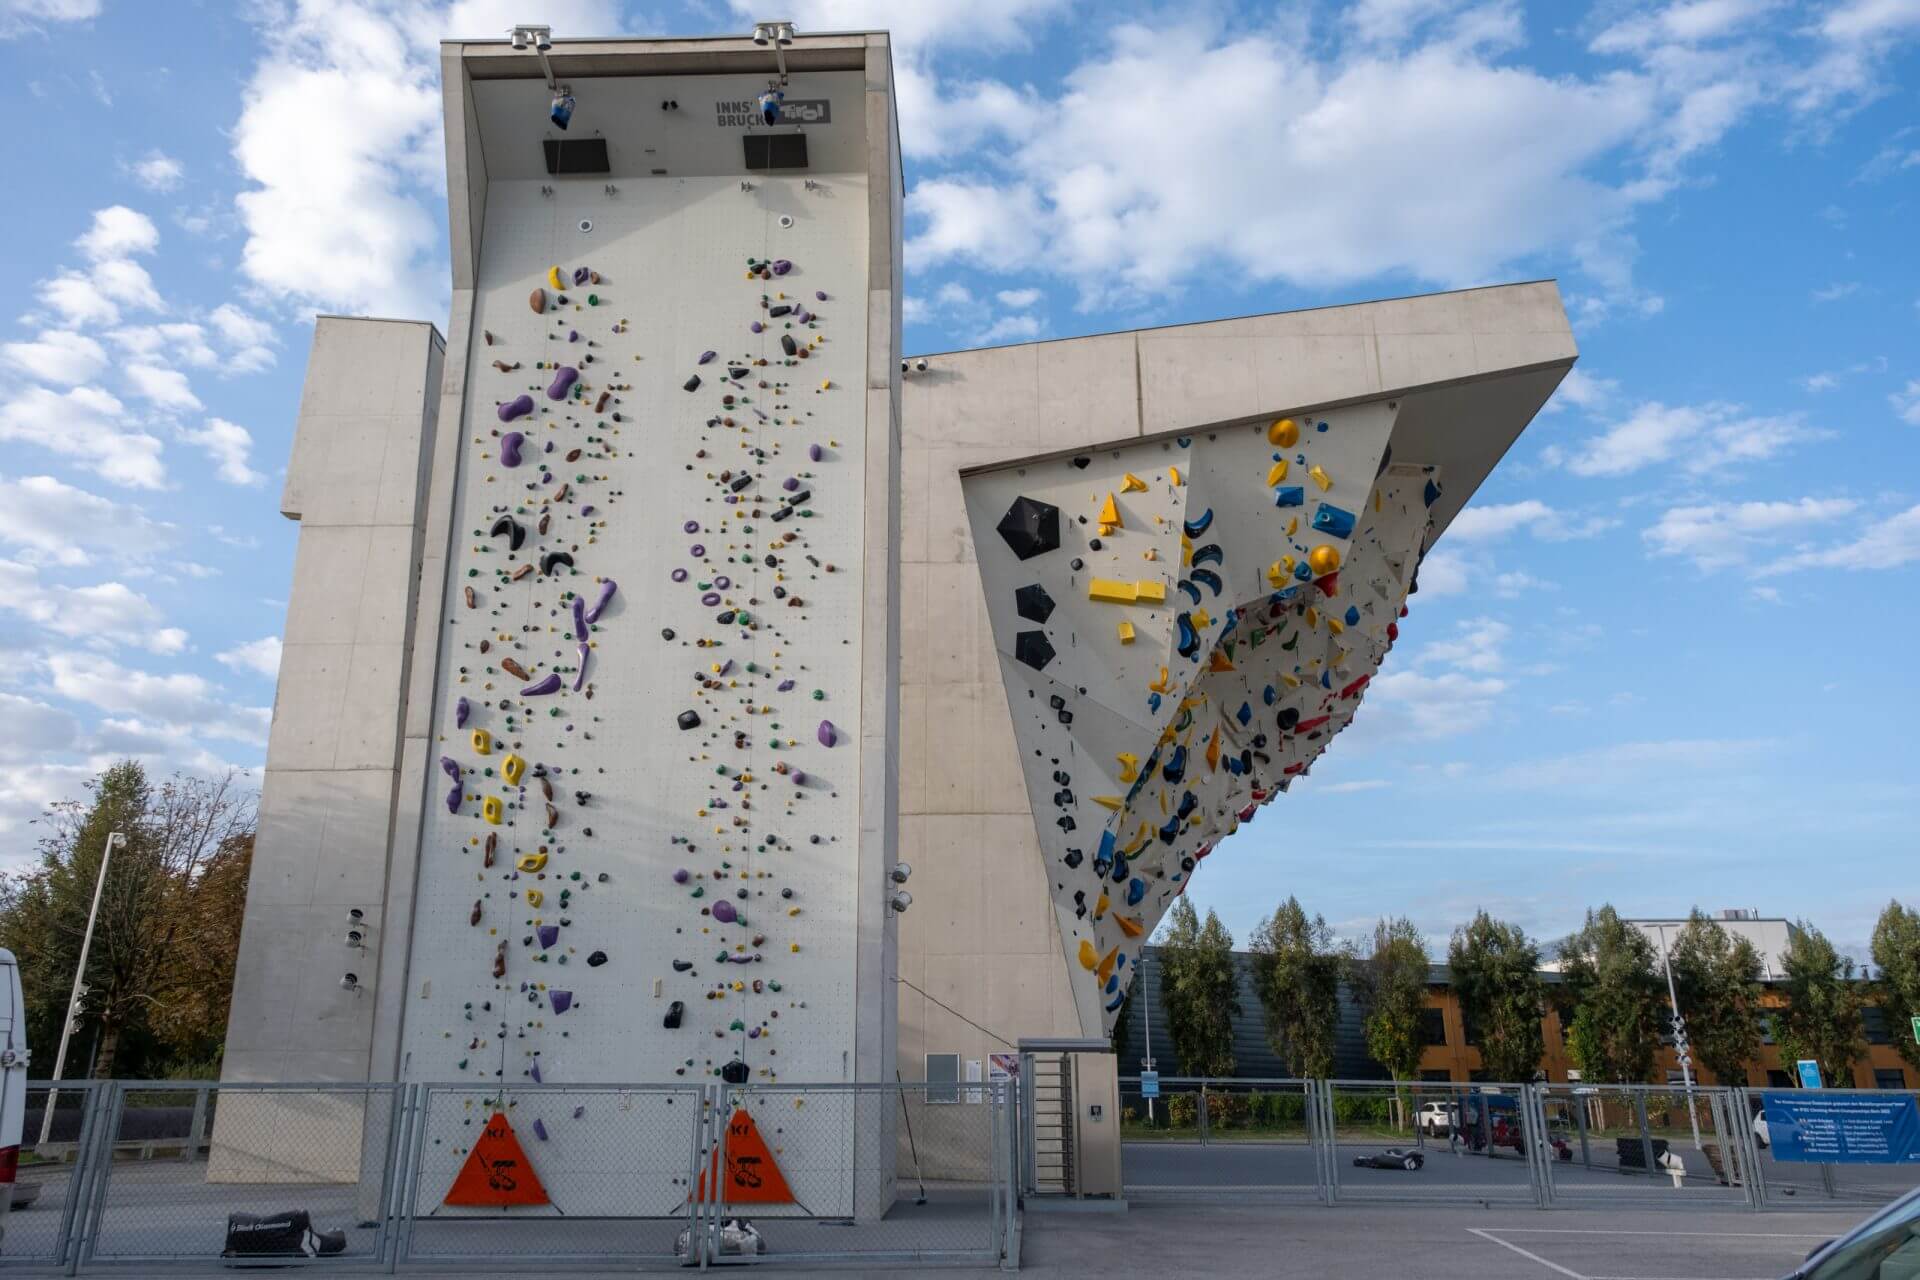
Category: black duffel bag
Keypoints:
(279, 1235)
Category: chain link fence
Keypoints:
(1202, 1138)
(1790, 1184)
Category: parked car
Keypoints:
(1884, 1247)
(13, 1079)
(1437, 1119)
(1762, 1134)
(1391, 1158)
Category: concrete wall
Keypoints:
(981, 937)
(356, 483)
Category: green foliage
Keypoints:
(160, 972)
(1356, 1109)
(1199, 990)
(1296, 974)
(1822, 1018)
(1717, 979)
(1496, 975)
(1896, 953)
(1390, 986)
(1183, 1110)
(1617, 999)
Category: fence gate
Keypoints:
(1203, 1138)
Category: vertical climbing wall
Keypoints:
(1183, 625)
(638, 863)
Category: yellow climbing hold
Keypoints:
(1129, 926)
(554, 281)
(1276, 473)
(1277, 574)
(1323, 560)
(511, 768)
(482, 742)
(1219, 661)
(531, 862)
(1201, 618)
(1152, 591)
(1161, 685)
(535, 897)
(1173, 474)
(1126, 633)
(1110, 802)
(1106, 964)
(1089, 955)
(1320, 477)
(1131, 483)
(1110, 514)
(1285, 433)
(1129, 766)
(1334, 625)
(1112, 591)
(491, 809)
(1313, 618)
(1151, 553)
(1100, 906)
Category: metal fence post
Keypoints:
(1646, 1138)
(1330, 1120)
(1204, 1118)
(101, 1157)
(73, 1214)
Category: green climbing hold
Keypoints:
(819, 695)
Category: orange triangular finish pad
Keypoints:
(497, 1172)
(752, 1175)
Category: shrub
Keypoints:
(1183, 1111)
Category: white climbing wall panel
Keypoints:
(694, 861)
(1183, 625)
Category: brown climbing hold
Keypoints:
(546, 786)
(500, 960)
(504, 367)
(514, 669)
(521, 572)
(488, 335)
(486, 646)
(538, 301)
(472, 600)
(545, 517)
(493, 843)
(573, 455)
(561, 496)
(553, 816)
(473, 917)
(600, 405)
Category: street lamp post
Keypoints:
(79, 986)
(1680, 1047)
(1146, 1004)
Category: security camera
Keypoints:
(900, 901)
(903, 366)
(920, 366)
(900, 873)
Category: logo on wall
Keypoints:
(496, 1173)
(745, 112)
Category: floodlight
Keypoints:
(900, 872)
(533, 37)
(900, 901)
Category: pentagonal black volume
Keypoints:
(1031, 527)
(1031, 647)
(1033, 602)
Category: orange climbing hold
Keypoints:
(1130, 926)
(497, 1173)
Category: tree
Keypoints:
(1717, 979)
(1616, 998)
(160, 971)
(1822, 1018)
(1296, 974)
(1390, 987)
(1495, 971)
(1896, 953)
(1198, 991)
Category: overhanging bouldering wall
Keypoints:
(1183, 625)
(650, 790)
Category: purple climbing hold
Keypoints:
(579, 617)
(697, 550)
(711, 599)
(535, 1073)
(581, 275)
(518, 407)
(723, 582)
(573, 335)
(452, 769)
(815, 452)
(510, 448)
(678, 575)
(820, 295)
(549, 685)
(562, 1000)
(802, 315)
(799, 778)
(549, 934)
(706, 357)
(461, 710)
(827, 734)
(682, 875)
(607, 588)
(539, 1127)
(690, 526)
(781, 266)
(588, 509)
(723, 912)
(581, 679)
(790, 484)
(563, 379)
(757, 327)
(786, 686)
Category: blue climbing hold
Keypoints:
(1209, 579)
(1353, 615)
(1198, 525)
(1271, 695)
(1136, 890)
(1209, 554)
(1176, 766)
(1289, 495)
(1335, 522)
(1433, 492)
(1244, 714)
(1193, 592)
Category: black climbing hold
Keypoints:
(734, 1072)
(1031, 647)
(1030, 527)
(597, 959)
(1289, 717)
(1082, 461)
(1074, 858)
(666, 633)
(672, 1019)
(681, 966)
(689, 719)
(1078, 564)
(779, 309)
(1033, 603)
(788, 345)
(552, 558)
(516, 533)
(1093, 544)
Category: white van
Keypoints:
(13, 1078)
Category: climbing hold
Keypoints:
(1109, 516)
(510, 448)
(607, 588)
(706, 357)
(1277, 473)
(473, 916)
(1289, 496)
(1131, 483)
(482, 742)
(553, 279)
(788, 345)
(461, 709)
(554, 558)
(1033, 603)
(827, 734)
(595, 960)
(515, 531)
(538, 301)
(549, 685)
(1199, 524)
(723, 912)
(451, 768)
(513, 668)
(1111, 591)
(689, 719)
(1126, 633)
(561, 1000)
(563, 379)
(511, 768)
(491, 809)
(674, 1012)
(534, 897)
(1031, 647)
(1323, 559)
(1089, 955)
(518, 407)
(1284, 433)
(531, 862)
(548, 935)
(691, 384)
(1030, 527)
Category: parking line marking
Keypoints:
(1530, 1256)
(1608, 1231)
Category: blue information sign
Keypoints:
(1809, 1073)
(1149, 1084)
(1833, 1127)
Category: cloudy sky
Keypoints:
(1667, 657)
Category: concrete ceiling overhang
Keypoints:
(721, 55)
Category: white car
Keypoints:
(13, 1079)
(1436, 1119)
(1761, 1134)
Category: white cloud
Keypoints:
(20, 16)
(228, 444)
(78, 299)
(1443, 573)
(1494, 520)
(1722, 534)
(108, 613)
(165, 388)
(177, 699)
(88, 426)
(1700, 439)
(158, 171)
(1475, 646)
(250, 340)
(117, 232)
(1583, 390)
(1836, 291)
(1906, 403)
(1891, 544)
(261, 657)
(1819, 382)
(180, 341)
(953, 294)
(1018, 299)
(1604, 767)
(1009, 329)
(1346, 788)
(1413, 704)
(34, 728)
(59, 356)
(57, 523)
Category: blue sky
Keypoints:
(1664, 660)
